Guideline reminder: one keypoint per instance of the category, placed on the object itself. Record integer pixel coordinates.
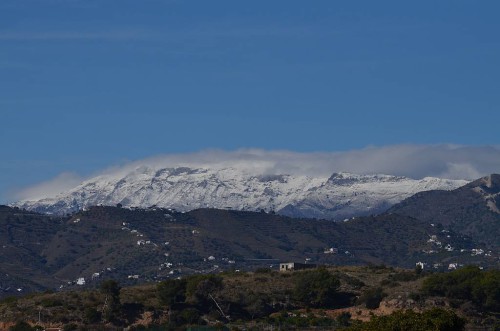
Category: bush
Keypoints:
(263, 271)
(172, 291)
(92, 315)
(290, 321)
(404, 276)
(189, 316)
(256, 305)
(200, 287)
(111, 290)
(372, 297)
(11, 300)
(354, 282)
(139, 327)
(435, 319)
(70, 327)
(316, 288)
(344, 319)
(51, 302)
(468, 283)
(414, 296)
(21, 326)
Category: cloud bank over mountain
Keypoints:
(414, 161)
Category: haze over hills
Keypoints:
(340, 196)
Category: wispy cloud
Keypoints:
(51, 187)
(137, 33)
(126, 34)
(414, 161)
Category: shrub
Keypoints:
(344, 319)
(189, 316)
(256, 305)
(111, 290)
(316, 288)
(355, 282)
(70, 327)
(435, 319)
(415, 296)
(200, 287)
(263, 271)
(404, 276)
(51, 302)
(468, 283)
(10, 300)
(92, 315)
(172, 291)
(21, 326)
(372, 297)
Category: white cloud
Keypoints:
(52, 187)
(414, 161)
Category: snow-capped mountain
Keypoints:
(340, 196)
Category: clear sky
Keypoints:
(85, 84)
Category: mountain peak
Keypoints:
(490, 184)
(341, 196)
(492, 181)
(489, 189)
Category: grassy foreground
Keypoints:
(340, 298)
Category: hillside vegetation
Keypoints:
(347, 298)
(136, 246)
(472, 210)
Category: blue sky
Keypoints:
(85, 84)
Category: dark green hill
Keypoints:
(472, 210)
(23, 237)
(143, 245)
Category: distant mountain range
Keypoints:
(441, 229)
(338, 197)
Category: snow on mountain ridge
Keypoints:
(341, 195)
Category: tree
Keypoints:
(172, 291)
(468, 283)
(256, 304)
(372, 297)
(111, 290)
(92, 315)
(316, 288)
(21, 326)
(434, 319)
(199, 287)
(70, 327)
(344, 319)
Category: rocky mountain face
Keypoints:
(341, 196)
(472, 210)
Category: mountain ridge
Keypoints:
(472, 209)
(42, 251)
(436, 229)
(340, 196)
